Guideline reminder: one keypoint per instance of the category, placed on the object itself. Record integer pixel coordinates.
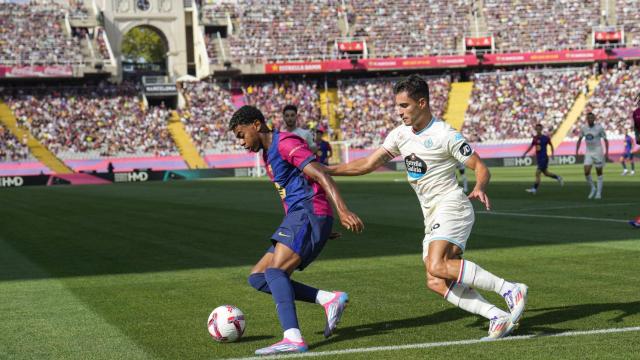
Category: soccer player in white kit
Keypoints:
(431, 150)
(593, 134)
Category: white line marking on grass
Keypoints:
(575, 206)
(442, 344)
(551, 216)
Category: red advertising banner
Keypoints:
(307, 67)
(454, 61)
(351, 46)
(484, 41)
(602, 36)
(545, 57)
(36, 71)
(426, 62)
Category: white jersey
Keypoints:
(592, 137)
(308, 137)
(431, 157)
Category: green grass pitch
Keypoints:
(131, 271)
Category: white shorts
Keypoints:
(451, 219)
(595, 159)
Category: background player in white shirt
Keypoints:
(431, 150)
(593, 134)
(290, 116)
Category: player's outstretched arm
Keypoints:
(318, 173)
(527, 151)
(482, 179)
(361, 166)
(552, 149)
(606, 148)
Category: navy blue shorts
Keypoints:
(627, 156)
(543, 164)
(304, 233)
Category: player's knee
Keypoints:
(437, 268)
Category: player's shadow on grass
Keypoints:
(534, 322)
(372, 329)
(539, 321)
(255, 338)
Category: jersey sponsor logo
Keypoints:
(465, 149)
(589, 137)
(416, 167)
(428, 143)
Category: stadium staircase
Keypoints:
(458, 103)
(188, 150)
(574, 114)
(40, 152)
(328, 105)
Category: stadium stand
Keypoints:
(628, 12)
(366, 108)
(205, 118)
(520, 26)
(210, 108)
(506, 105)
(92, 121)
(12, 149)
(33, 34)
(270, 30)
(613, 100)
(398, 28)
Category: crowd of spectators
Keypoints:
(614, 100)
(401, 28)
(507, 105)
(271, 30)
(272, 97)
(92, 121)
(33, 34)
(11, 148)
(367, 111)
(526, 25)
(206, 117)
(628, 13)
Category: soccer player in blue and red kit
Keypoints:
(627, 155)
(324, 148)
(541, 142)
(305, 189)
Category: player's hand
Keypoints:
(482, 197)
(334, 235)
(351, 221)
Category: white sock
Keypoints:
(600, 180)
(589, 180)
(293, 334)
(470, 300)
(324, 297)
(473, 275)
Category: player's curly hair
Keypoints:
(246, 115)
(415, 86)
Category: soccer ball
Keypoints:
(226, 323)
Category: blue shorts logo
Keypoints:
(416, 168)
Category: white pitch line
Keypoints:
(576, 206)
(551, 216)
(439, 344)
